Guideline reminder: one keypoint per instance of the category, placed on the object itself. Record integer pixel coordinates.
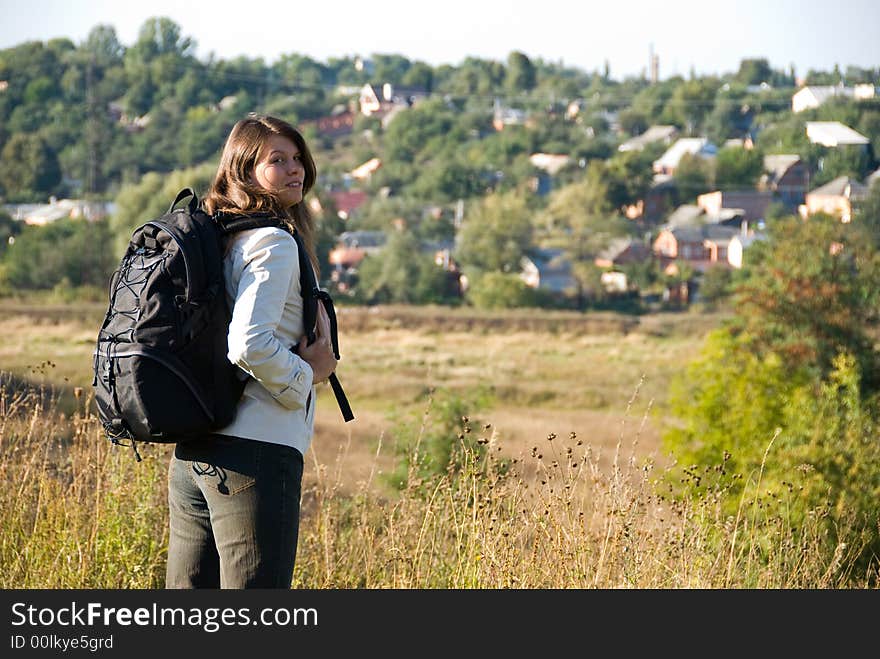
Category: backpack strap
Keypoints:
(312, 295)
(230, 223)
(183, 194)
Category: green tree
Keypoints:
(401, 273)
(580, 218)
(411, 132)
(760, 429)
(693, 176)
(738, 168)
(149, 198)
(754, 71)
(501, 290)
(629, 177)
(9, 229)
(72, 251)
(521, 75)
(633, 122)
(496, 233)
(692, 101)
(812, 294)
(419, 76)
(715, 285)
(30, 168)
(854, 162)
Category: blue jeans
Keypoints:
(234, 514)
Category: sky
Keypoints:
(703, 36)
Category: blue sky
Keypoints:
(706, 36)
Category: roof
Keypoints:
(823, 92)
(553, 267)
(363, 171)
(617, 247)
(346, 256)
(778, 163)
(684, 215)
(362, 239)
(549, 162)
(692, 145)
(717, 233)
(842, 186)
(348, 200)
(653, 134)
(833, 133)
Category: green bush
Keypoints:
(437, 442)
(498, 290)
(764, 432)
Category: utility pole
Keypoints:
(91, 129)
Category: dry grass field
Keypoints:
(527, 373)
(562, 486)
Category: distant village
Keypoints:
(716, 230)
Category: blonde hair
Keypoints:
(233, 191)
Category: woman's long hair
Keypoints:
(234, 192)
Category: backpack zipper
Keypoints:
(146, 352)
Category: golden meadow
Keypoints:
(553, 420)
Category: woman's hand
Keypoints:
(319, 355)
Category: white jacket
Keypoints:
(261, 270)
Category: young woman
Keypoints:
(234, 496)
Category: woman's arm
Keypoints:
(270, 271)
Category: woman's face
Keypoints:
(278, 170)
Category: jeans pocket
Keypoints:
(229, 467)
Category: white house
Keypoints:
(834, 133)
(663, 134)
(699, 146)
(810, 97)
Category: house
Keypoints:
(351, 248)
(810, 97)
(364, 171)
(701, 246)
(746, 143)
(614, 281)
(548, 269)
(375, 101)
(503, 116)
(658, 200)
(697, 146)
(751, 204)
(404, 96)
(549, 162)
(834, 198)
(787, 176)
(622, 251)
(664, 134)
(59, 209)
(348, 201)
(336, 125)
(834, 134)
(369, 101)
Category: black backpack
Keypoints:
(161, 373)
